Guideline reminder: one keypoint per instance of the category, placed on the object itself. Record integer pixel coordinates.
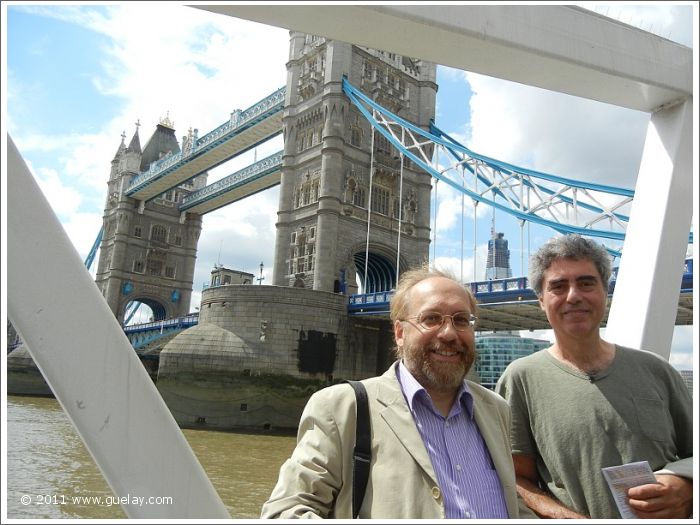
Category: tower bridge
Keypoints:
(566, 205)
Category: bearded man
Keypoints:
(440, 444)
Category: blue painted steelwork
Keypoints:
(91, 256)
(381, 273)
(255, 171)
(555, 198)
(370, 303)
(142, 334)
(514, 289)
(131, 309)
(239, 122)
(510, 170)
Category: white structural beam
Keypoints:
(561, 48)
(569, 50)
(88, 362)
(643, 310)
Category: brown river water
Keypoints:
(49, 470)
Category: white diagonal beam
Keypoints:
(88, 362)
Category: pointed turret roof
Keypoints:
(121, 149)
(161, 142)
(135, 144)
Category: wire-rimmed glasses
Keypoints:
(461, 321)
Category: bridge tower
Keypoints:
(328, 176)
(148, 249)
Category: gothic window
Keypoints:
(358, 197)
(170, 272)
(154, 267)
(307, 194)
(380, 200)
(356, 136)
(315, 191)
(159, 233)
(297, 200)
(137, 231)
(138, 266)
(312, 232)
(178, 240)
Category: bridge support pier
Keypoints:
(644, 305)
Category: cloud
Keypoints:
(65, 200)
(682, 356)
(661, 19)
(464, 268)
(196, 67)
(556, 133)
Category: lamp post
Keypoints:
(261, 278)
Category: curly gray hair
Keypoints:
(570, 246)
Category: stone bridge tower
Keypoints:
(149, 249)
(326, 184)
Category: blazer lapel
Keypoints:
(400, 420)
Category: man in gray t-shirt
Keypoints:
(584, 404)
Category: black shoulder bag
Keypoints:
(362, 453)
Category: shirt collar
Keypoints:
(411, 388)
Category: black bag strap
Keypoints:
(362, 453)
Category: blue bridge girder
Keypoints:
(504, 305)
(244, 131)
(510, 304)
(142, 334)
(565, 205)
(95, 245)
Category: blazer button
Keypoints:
(436, 493)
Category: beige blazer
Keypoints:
(317, 480)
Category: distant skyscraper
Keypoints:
(498, 259)
(687, 376)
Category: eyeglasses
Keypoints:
(461, 321)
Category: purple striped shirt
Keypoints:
(468, 481)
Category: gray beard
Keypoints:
(434, 375)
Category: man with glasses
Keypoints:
(440, 445)
(585, 404)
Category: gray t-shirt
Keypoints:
(574, 424)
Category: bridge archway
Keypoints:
(159, 310)
(381, 269)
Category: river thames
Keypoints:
(48, 466)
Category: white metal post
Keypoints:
(87, 360)
(645, 301)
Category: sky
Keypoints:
(76, 77)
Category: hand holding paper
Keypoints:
(638, 493)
